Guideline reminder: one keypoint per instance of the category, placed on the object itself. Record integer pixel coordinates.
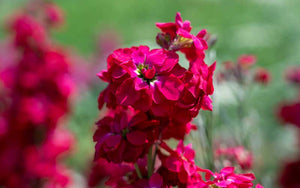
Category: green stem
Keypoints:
(209, 136)
(149, 162)
(155, 152)
(137, 169)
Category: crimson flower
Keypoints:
(124, 135)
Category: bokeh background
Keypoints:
(268, 29)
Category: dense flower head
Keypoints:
(36, 89)
(153, 80)
(150, 98)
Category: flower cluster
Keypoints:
(242, 73)
(288, 113)
(150, 98)
(36, 90)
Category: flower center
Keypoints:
(181, 42)
(146, 73)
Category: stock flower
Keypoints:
(289, 113)
(124, 135)
(227, 178)
(293, 75)
(177, 36)
(246, 61)
(289, 177)
(28, 32)
(262, 76)
(137, 74)
(178, 168)
(54, 15)
(238, 154)
(37, 87)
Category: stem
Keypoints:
(149, 162)
(209, 149)
(155, 153)
(137, 169)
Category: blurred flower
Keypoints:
(237, 155)
(289, 177)
(246, 61)
(289, 113)
(262, 76)
(293, 75)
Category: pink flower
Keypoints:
(289, 113)
(135, 74)
(176, 36)
(124, 135)
(178, 168)
(293, 75)
(54, 14)
(28, 32)
(227, 178)
(246, 61)
(262, 76)
(289, 176)
(239, 155)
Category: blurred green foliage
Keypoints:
(267, 28)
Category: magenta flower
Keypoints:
(179, 169)
(227, 178)
(293, 75)
(289, 113)
(176, 36)
(124, 135)
(239, 155)
(246, 61)
(262, 76)
(289, 176)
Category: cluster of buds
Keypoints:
(151, 98)
(34, 99)
(242, 72)
(288, 113)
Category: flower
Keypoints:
(293, 75)
(289, 176)
(124, 135)
(246, 61)
(227, 178)
(262, 76)
(238, 154)
(176, 36)
(178, 168)
(289, 113)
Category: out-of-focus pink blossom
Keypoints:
(238, 155)
(293, 75)
(262, 76)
